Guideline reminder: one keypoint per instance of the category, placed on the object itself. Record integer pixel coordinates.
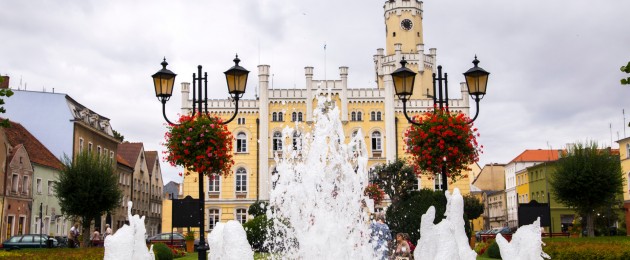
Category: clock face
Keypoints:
(406, 24)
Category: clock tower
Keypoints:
(403, 24)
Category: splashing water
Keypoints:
(317, 207)
(128, 242)
(526, 243)
(228, 241)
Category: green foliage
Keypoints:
(626, 69)
(396, 179)
(87, 178)
(118, 136)
(256, 230)
(190, 235)
(405, 215)
(162, 252)
(473, 208)
(588, 248)
(587, 178)
(4, 93)
(493, 250)
(258, 208)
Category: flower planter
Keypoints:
(190, 246)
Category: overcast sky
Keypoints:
(554, 64)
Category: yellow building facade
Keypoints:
(624, 157)
(522, 186)
(373, 109)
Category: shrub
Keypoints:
(258, 208)
(256, 230)
(404, 215)
(162, 252)
(493, 250)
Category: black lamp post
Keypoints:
(476, 80)
(164, 80)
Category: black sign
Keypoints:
(529, 212)
(186, 212)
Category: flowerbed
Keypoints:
(92, 253)
(588, 248)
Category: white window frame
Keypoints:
(240, 180)
(38, 183)
(51, 188)
(276, 141)
(15, 182)
(240, 215)
(80, 144)
(437, 182)
(377, 141)
(241, 142)
(214, 217)
(25, 186)
(90, 145)
(214, 185)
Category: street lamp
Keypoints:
(163, 81)
(476, 81)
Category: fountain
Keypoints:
(228, 241)
(129, 241)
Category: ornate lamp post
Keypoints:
(476, 80)
(236, 78)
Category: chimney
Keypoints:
(5, 82)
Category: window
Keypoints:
(274, 116)
(297, 141)
(241, 120)
(627, 151)
(213, 218)
(373, 116)
(359, 116)
(25, 187)
(111, 155)
(241, 215)
(376, 141)
(14, 183)
(300, 117)
(241, 180)
(89, 147)
(280, 117)
(438, 182)
(416, 185)
(214, 184)
(294, 116)
(39, 185)
(277, 141)
(353, 116)
(241, 143)
(80, 144)
(378, 116)
(98, 150)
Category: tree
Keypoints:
(5, 92)
(405, 215)
(87, 188)
(396, 179)
(587, 178)
(473, 208)
(258, 208)
(626, 69)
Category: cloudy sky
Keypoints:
(554, 64)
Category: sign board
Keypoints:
(186, 212)
(529, 212)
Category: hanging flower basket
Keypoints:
(443, 138)
(375, 193)
(201, 144)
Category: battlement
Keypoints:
(398, 6)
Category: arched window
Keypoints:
(300, 117)
(359, 116)
(353, 116)
(241, 142)
(294, 116)
(274, 116)
(213, 218)
(378, 116)
(280, 117)
(373, 116)
(297, 141)
(241, 215)
(241, 180)
(277, 141)
(376, 141)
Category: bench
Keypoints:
(556, 234)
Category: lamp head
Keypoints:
(163, 81)
(236, 78)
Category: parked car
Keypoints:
(503, 230)
(29, 241)
(170, 239)
(197, 242)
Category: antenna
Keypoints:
(325, 79)
(623, 111)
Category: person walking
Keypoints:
(73, 236)
(108, 231)
(96, 238)
(380, 237)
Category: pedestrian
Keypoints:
(380, 237)
(108, 231)
(96, 238)
(412, 247)
(403, 251)
(73, 236)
